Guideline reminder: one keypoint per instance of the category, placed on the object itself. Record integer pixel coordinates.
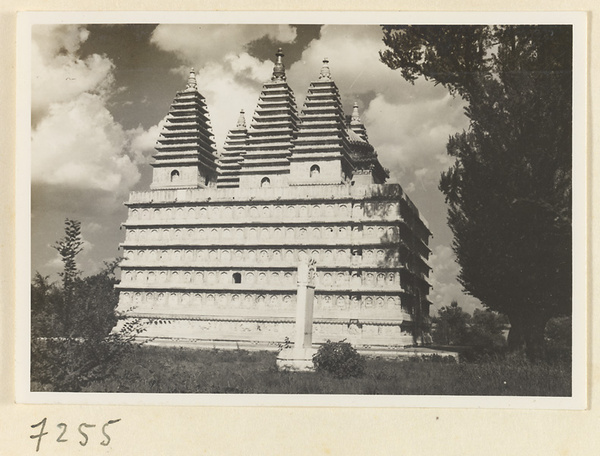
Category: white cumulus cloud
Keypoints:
(141, 142)
(79, 145)
(250, 67)
(76, 143)
(202, 44)
(414, 135)
(58, 74)
(353, 60)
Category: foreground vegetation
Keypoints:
(149, 369)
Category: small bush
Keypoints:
(339, 359)
(287, 343)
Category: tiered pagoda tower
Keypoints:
(321, 152)
(265, 161)
(186, 152)
(213, 262)
(356, 124)
(235, 147)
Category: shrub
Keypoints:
(70, 364)
(339, 359)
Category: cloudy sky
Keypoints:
(100, 93)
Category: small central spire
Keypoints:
(191, 82)
(325, 72)
(279, 68)
(355, 117)
(241, 123)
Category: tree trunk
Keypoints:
(527, 329)
(535, 326)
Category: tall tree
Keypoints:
(509, 190)
(68, 248)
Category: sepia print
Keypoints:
(379, 210)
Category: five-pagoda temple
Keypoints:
(212, 249)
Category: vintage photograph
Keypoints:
(303, 209)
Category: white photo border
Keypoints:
(581, 294)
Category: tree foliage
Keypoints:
(46, 307)
(97, 300)
(509, 189)
(72, 342)
(451, 325)
(485, 331)
(482, 332)
(68, 248)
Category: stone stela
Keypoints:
(299, 357)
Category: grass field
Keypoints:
(151, 369)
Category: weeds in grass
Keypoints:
(151, 369)
(434, 358)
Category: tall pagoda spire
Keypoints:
(355, 115)
(356, 124)
(325, 71)
(241, 123)
(186, 152)
(279, 68)
(266, 159)
(235, 147)
(191, 86)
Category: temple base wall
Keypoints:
(219, 265)
(204, 333)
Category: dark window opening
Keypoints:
(237, 277)
(315, 170)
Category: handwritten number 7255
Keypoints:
(83, 427)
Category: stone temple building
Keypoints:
(212, 248)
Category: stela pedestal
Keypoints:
(299, 357)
